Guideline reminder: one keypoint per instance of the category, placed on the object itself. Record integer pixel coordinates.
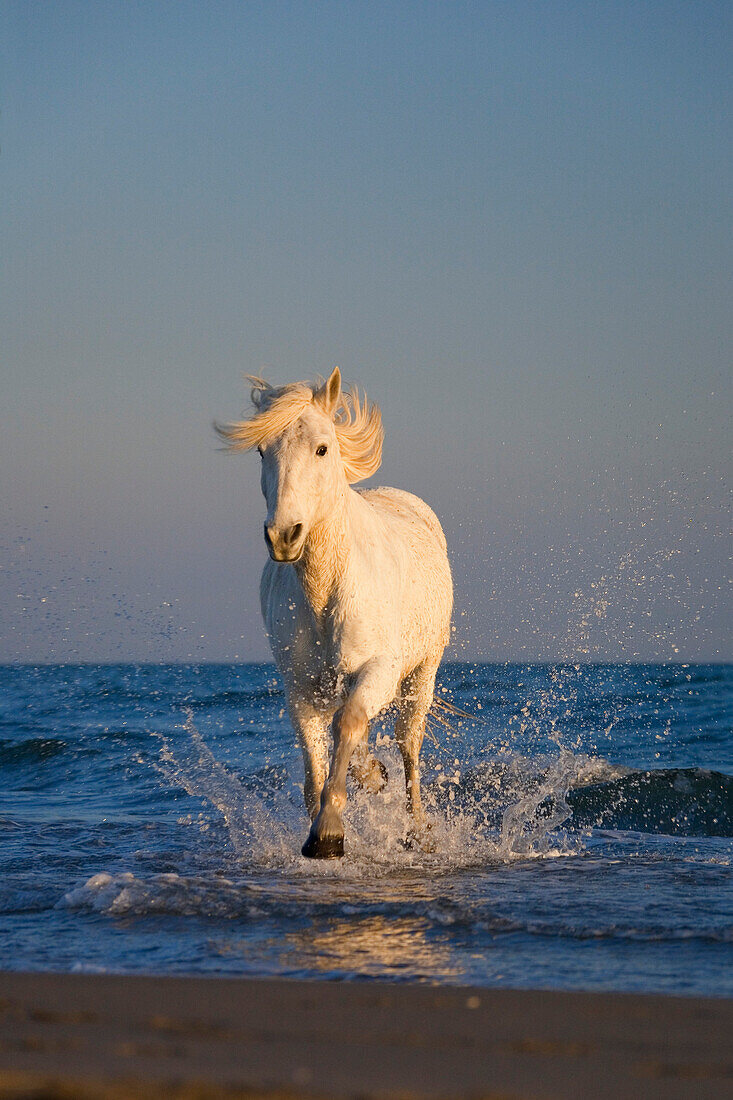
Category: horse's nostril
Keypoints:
(286, 537)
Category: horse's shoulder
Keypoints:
(407, 505)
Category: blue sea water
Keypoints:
(151, 820)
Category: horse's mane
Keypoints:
(358, 423)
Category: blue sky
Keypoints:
(509, 222)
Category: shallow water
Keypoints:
(582, 817)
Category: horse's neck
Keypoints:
(324, 564)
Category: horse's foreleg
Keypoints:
(326, 838)
(417, 697)
(311, 729)
(368, 772)
(374, 689)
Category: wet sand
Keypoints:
(82, 1037)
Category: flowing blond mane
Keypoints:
(358, 423)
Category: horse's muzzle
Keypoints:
(285, 545)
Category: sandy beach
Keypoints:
(88, 1036)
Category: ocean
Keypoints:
(151, 821)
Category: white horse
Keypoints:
(357, 594)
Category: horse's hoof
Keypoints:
(377, 778)
(323, 847)
(420, 840)
(371, 776)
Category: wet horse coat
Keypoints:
(356, 596)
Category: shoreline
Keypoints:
(119, 1037)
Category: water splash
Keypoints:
(504, 808)
(481, 816)
(256, 833)
(527, 825)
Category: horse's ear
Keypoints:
(330, 392)
(258, 390)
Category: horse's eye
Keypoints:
(259, 451)
(320, 451)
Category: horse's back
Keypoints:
(425, 584)
(406, 506)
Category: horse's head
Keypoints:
(313, 441)
(302, 476)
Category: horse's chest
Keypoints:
(310, 642)
(320, 648)
(317, 661)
